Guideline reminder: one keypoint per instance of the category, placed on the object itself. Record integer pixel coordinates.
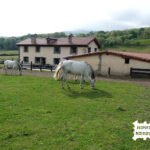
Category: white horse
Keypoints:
(77, 68)
(13, 65)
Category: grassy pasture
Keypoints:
(143, 41)
(141, 48)
(9, 51)
(8, 57)
(37, 114)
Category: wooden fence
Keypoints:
(32, 66)
(138, 72)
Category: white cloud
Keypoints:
(20, 17)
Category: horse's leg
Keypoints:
(65, 79)
(15, 71)
(76, 78)
(62, 81)
(20, 72)
(5, 68)
(81, 81)
(12, 70)
(67, 82)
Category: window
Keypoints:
(37, 60)
(25, 48)
(73, 50)
(37, 49)
(26, 59)
(56, 50)
(89, 49)
(127, 61)
(95, 49)
(56, 61)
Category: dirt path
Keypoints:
(141, 81)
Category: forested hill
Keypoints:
(112, 39)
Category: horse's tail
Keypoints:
(57, 71)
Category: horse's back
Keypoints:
(75, 67)
(9, 63)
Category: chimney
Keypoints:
(70, 38)
(48, 40)
(51, 40)
(33, 38)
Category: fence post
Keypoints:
(40, 67)
(131, 72)
(31, 66)
(109, 70)
(21, 64)
(51, 68)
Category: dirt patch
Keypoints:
(142, 81)
(38, 73)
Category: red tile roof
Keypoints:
(78, 41)
(133, 55)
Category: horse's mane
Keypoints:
(56, 74)
(92, 71)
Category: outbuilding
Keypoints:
(115, 62)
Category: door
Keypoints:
(43, 61)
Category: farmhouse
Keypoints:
(52, 50)
(114, 62)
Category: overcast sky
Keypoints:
(20, 17)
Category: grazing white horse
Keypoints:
(77, 68)
(12, 64)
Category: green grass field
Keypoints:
(9, 51)
(37, 114)
(141, 48)
(143, 41)
(8, 57)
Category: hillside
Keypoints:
(127, 40)
(138, 45)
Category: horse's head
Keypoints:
(92, 76)
(92, 83)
